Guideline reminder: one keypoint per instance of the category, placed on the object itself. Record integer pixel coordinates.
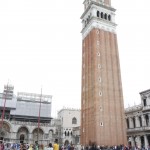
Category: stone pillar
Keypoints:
(83, 23)
(145, 141)
(130, 123)
(142, 101)
(13, 135)
(143, 121)
(137, 123)
(149, 119)
(138, 141)
(93, 12)
(30, 136)
(132, 141)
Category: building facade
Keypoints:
(70, 125)
(102, 108)
(20, 121)
(138, 122)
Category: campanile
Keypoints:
(102, 107)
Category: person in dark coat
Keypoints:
(93, 147)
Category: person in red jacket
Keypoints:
(1, 145)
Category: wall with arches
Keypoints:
(17, 131)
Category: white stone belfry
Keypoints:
(98, 14)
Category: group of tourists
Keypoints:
(23, 146)
(56, 146)
(119, 147)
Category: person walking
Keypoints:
(56, 145)
(1, 145)
(50, 147)
(31, 147)
(93, 147)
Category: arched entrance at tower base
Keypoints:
(66, 142)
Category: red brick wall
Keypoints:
(108, 2)
(109, 107)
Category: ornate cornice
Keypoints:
(99, 24)
(133, 109)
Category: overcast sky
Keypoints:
(40, 45)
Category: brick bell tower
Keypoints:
(102, 107)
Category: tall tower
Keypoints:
(102, 108)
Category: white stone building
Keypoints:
(138, 122)
(20, 117)
(70, 125)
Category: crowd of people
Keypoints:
(26, 146)
(119, 147)
(56, 146)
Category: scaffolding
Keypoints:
(34, 97)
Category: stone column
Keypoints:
(132, 141)
(143, 121)
(93, 12)
(145, 141)
(130, 123)
(138, 141)
(13, 136)
(149, 119)
(30, 136)
(137, 123)
(83, 23)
